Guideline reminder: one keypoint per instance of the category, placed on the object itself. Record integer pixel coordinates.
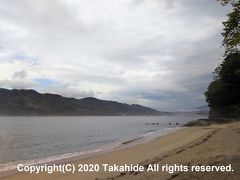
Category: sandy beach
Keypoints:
(208, 145)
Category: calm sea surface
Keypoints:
(32, 139)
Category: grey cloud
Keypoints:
(20, 74)
(158, 53)
(17, 84)
(67, 90)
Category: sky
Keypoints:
(157, 53)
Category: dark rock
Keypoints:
(200, 122)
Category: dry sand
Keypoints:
(210, 145)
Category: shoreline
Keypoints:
(100, 157)
(206, 145)
(81, 155)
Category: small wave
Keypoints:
(13, 165)
(147, 136)
(161, 132)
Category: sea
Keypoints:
(35, 140)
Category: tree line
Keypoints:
(223, 93)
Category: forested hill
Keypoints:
(30, 102)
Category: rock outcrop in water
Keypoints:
(30, 103)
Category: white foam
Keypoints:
(160, 132)
(13, 165)
(145, 137)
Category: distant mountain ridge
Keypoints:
(202, 108)
(30, 103)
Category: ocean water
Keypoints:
(32, 140)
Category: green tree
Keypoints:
(225, 89)
(229, 73)
(223, 94)
(216, 93)
(224, 2)
(231, 30)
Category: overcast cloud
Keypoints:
(157, 53)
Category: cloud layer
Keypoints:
(156, 53)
